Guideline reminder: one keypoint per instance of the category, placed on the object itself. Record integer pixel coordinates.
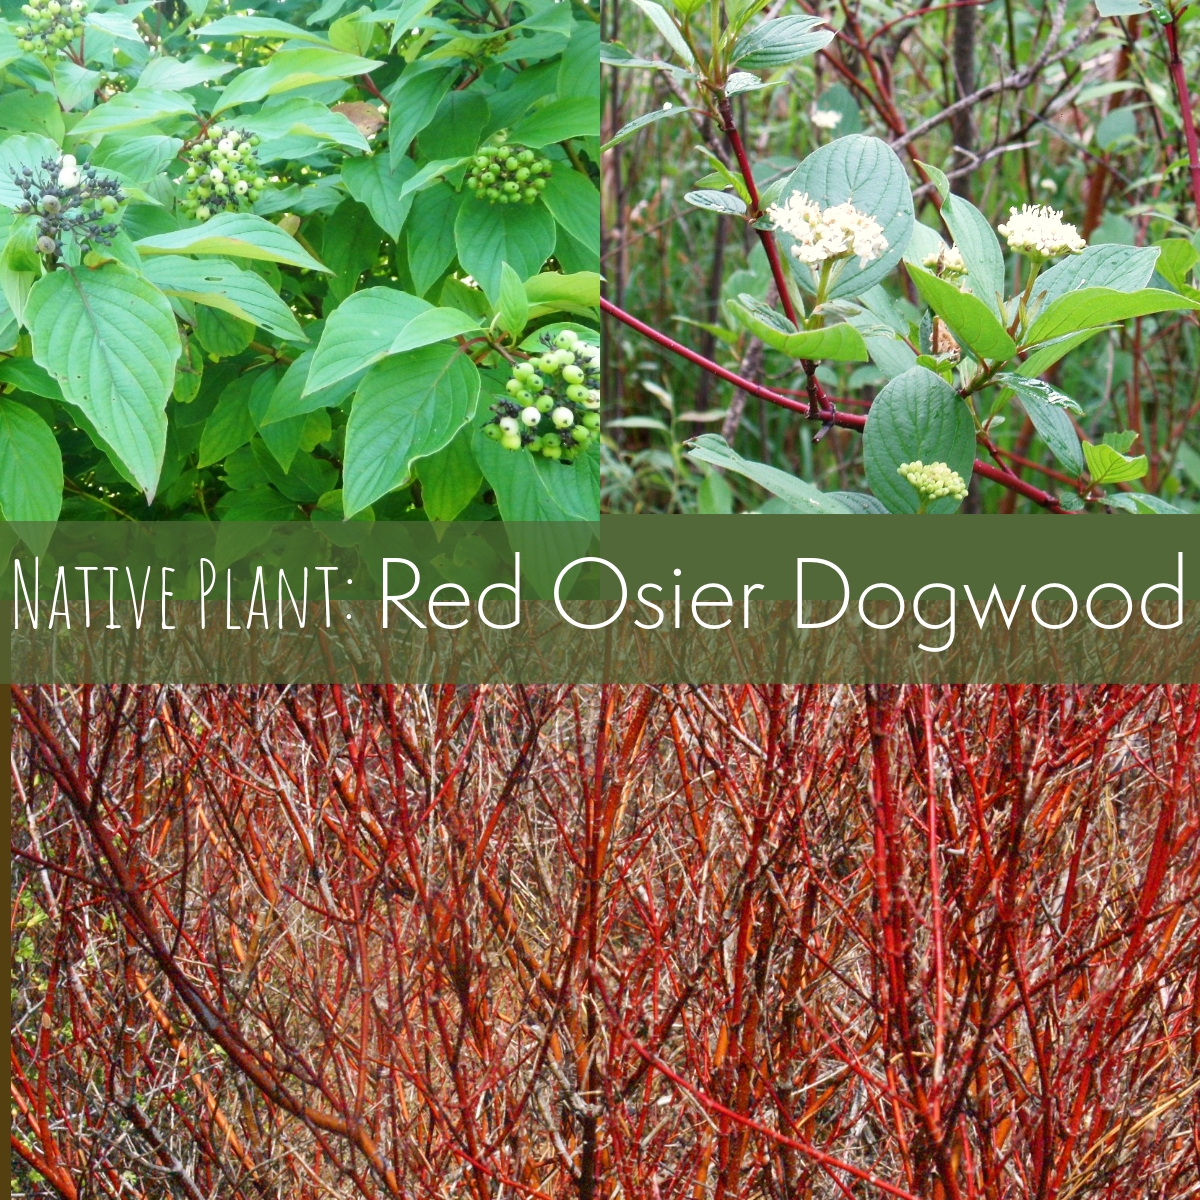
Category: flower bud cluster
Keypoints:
(502, 174)
(824, 234)
(553, 402)
(947, 263)
(934, 481)
(223, 174)
(52, 24)
(68, 199)
(1039, 232)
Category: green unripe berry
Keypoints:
(511, 441)
(562, 417)
(493, 431)
(523, 370)
(581, 434)
(572, 374)
(513, 386)
(203, 213)
(591, 420)
(565, 339)
(508, 425)
(551, 440)
(577, 392)
(551, 451)
(544, 402)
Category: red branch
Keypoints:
(831, 417)
(1185, 110)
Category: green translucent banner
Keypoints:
(634, 599)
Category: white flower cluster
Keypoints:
(826, 118)
(948, 261)
(1039, 232)
(831, 233)
(934, 481)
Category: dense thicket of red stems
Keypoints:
(673, 944)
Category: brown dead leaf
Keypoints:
(366, 118)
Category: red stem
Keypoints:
(820, 404)
(1185, 110)
(832, 417)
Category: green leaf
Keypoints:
(219, 284)
(289, 400)
(970, 320)
(866, 172)
(839, 343)
(572, 117)
(514, 304)
(529, 487)
(350, 245)
(665, 24)
(1177, 258)
(127, 110)
(1121, 268)
(298, 117)
(259, 27)
(406, 407)
(16, 152)
(430, 237)
(374, 323)
(176, 74)
(109, 338)
(450, 478)
(287, 70)
(231, 425)
(1120, 440)
(31, 472)
(574, 202)
(917, 415)
(1043, 358)
(780, 41)
(1047, 409)
(553, 290)
(488, 235)
(711, 448)
(714, 497)
(1099, 306)
(1107, 465)
(19, 265)
(238, 235)
(138, 159)
(860, 503)
(1142, 503)
(659, 114)
(976, 241)
(414, 101)
(32, 112)
(714, 201)
(222, 334)
(375, 183)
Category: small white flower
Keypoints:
(947, 262)
(826, 118)
(934, 481)
(1048, 185)
(68, 171)
(832, 233)
(1039, 232)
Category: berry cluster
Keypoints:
(222, 173)
(553, 402)
(932, 481)
(52, 25)
(503, 174)
(68, 199)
